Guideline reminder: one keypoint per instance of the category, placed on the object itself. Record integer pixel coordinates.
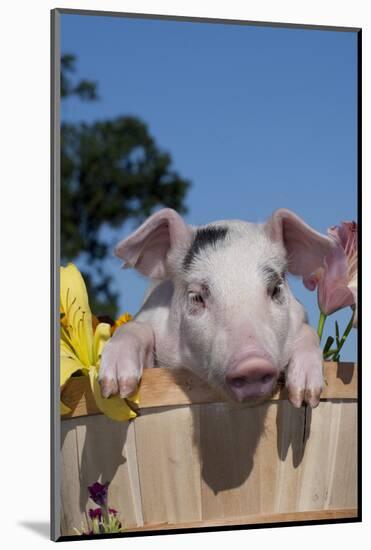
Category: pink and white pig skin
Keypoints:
(220, 306)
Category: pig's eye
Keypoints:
(196, 299)
(196, 302)
(276, 293)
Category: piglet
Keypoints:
(220, 306)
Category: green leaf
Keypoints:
(337, 333)
(328, 355)
(328, 344)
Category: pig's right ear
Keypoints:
(305, 247)
(149, 247)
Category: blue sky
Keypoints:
(257, 118)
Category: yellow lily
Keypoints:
(81, 347)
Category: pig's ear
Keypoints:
(148, 248)
(305, 247)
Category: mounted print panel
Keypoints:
(212, 383)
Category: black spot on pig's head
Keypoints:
(205, 237)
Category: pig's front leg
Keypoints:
(304, 379)
(130, 349)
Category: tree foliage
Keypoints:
(112, 171)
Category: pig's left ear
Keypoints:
(305, 247)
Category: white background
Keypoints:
(25, 267)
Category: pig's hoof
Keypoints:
(312, 397)
(117, 374)
(304, 381)
(125, 386)
(296, 396)
(108, 386)
(309, 396)
(128, 385)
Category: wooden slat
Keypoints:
(317, 515)
(328, 470)
(98, 449)
(72, 514)
(164, 387)
(168, 464)
(230, 440)
(344, 471)
(106, 452)
(286, 431)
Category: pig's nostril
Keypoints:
(238, 382)
(241, 381)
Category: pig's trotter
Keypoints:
(304, 379)
(124, 357)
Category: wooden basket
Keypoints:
(190, 460)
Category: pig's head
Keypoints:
(232, 312)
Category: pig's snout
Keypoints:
(251, 378)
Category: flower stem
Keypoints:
(330, 352)
(321, 324)
(343, 338)
(328, 345)
(105, 513)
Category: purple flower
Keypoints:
(98, 493)
(112, 511)
(95, 513)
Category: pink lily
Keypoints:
(337, 280)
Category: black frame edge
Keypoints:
(195, 19)
(195, 530)
(359, 275)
